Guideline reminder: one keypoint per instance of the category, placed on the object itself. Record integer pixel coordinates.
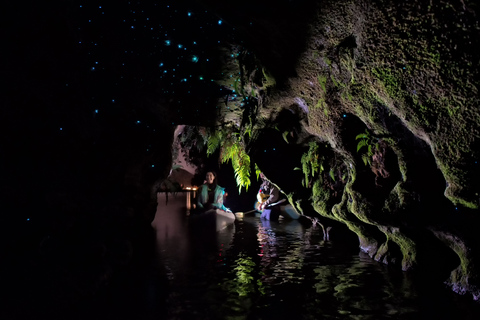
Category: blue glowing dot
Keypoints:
(219, 22)
(344, 115)
(168, 42)
(81, 6)
(185, 79)
(161, 64)
(194, 42)
(180, 46)
(79, 41)
(148, 19)
(264, 150)
(195, 59)
(201, 78)
(113, 100)
(132, 27)
(61, 129)
(28, 219)
(99, 7)
(96, 110)
(138, 121)
(273, 148)
(96, 62)
(93, 68)
(189, 14)
(89, 20)
(153, 165)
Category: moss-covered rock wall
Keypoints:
(373, 109)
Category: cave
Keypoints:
(365, 114)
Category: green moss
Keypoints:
(407, 247)
(390, 80)
(312, 162)
(367, 243)
(322, 81)
(320, 197)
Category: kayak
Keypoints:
(220, 218)
(223, 218)
(289, 212)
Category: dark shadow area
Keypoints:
(375, 180)
(275, 34)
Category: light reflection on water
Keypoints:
(279, 270)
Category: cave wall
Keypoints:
(309, 81)
(383, 98)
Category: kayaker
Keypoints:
(210, 194)
(267, 194)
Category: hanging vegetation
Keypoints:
(232, 148)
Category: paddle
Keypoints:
(241, 214)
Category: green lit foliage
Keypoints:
(213, 141)
(312, 163)
(235, 152)
(257, 171)
(371, 144)
(332, 174)
(269, 80)
(232, 148)
(284, 135)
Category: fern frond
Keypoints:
(257, 171)
(332, 174)
(365, 158)
(284, 135)
(361, 144)
(361, 136)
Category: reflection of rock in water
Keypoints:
(170, 219)
(185, 242)
(170, 224)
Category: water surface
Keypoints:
(259, 269)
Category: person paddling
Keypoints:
(267, 194)
(211, 194)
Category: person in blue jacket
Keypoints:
(210, 194)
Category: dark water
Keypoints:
(285, 270)
(252, 269)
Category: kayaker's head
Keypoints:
(211, 177)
